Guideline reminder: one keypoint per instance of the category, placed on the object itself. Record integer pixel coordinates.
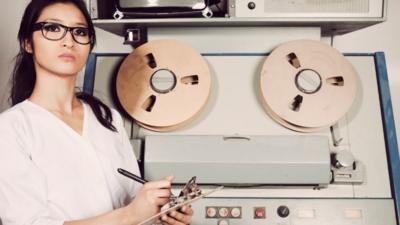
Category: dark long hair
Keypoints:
(24, 75)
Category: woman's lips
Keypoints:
(67, 57)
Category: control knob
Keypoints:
(251, 5)
(283, 211)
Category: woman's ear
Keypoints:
(27, 46)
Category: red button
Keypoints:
(259, 213)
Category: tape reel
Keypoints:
(307, 85)
(163, 84)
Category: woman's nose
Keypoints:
(68, 40)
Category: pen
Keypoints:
(135, 177)
(131, 175)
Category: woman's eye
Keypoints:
(81, 31)
(52, 28)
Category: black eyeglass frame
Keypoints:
(40, 25)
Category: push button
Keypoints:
(223, 212)
(306, 213)
(211, 212)
(236, 212)
(223, 222)
(353, 213)
(259, 213)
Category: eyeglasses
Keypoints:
(56, 32)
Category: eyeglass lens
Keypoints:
(53, 31)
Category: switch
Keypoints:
(259, 213)
(211, 212)
(223, 222)
(236, 212)
(223, 212)
(353, 213)
(306, 213)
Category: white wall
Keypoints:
(10, 18)
(382, 37)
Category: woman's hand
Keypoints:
(149, 200)
(181, 217)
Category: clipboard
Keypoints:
(152, 220)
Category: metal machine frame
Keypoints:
(385, 104)
(330, 25)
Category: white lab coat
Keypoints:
(50, 174)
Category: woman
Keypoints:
(60, 150)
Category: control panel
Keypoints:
(249, 211)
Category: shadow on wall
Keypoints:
(4, 104)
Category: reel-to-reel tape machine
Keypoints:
(283, 131)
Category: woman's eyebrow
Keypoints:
(53, 19)
(81, 24)
(62, 22)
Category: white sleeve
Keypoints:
(23, 189)
(131, 159)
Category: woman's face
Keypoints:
(64, 57)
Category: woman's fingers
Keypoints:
(158, 192)
(161, 201)
(169, 178)
(177, 216)
(171, 221)
(183, 216)
(187, 210)
(158, 197)
(164, 183)
(152, 196)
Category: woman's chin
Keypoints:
(67, 70)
